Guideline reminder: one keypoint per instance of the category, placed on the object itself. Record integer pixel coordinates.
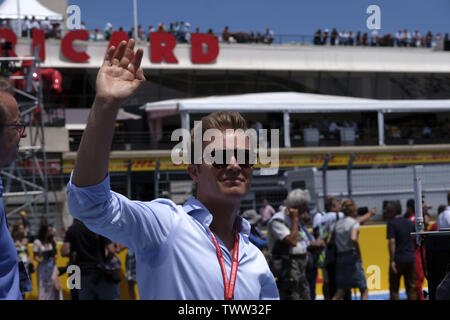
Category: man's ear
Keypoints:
(193, 172)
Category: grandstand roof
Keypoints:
(292, 102)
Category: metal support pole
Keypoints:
(135, 18)
(418, 208)
(287, 129)
(380, 128)
(349, 175)
(324, 177)
(156, 179)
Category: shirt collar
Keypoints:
(199, 212)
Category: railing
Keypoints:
(244, 37)
(142, 140)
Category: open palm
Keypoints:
(119, 77)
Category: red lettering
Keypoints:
(67, 46)
(39, 39)
(9, 36)
(198, 41)
(162, 45)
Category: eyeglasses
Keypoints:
(20, 127)
(223, 158)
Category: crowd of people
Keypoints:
(169, 240)
(182, 32)
(402, 38)
(296, 246)
(95, 255)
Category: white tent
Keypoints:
(291, 102)
(19, 9)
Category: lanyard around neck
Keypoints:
(229, 288)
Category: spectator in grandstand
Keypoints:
(34, 24)
(401, 252)
(333, 37)
(150, 30)
(406, 41)
(251, 37)
(365, 39)
(226, 35)
(374, 38)
(325, 37)
(140, 33)
(187, 34)
(5, 23)
(26, 27)
(185, 237)
(45, 253)
(358, 38)
(96, 35)
(318, 37)
(269, 36)
(47, 27)
(162, 27)
(56, 30)
(266, 212)
(351, 38)
(415, 39)
(399, 38)
(429, 39)
(443, 221)
(107, 31)
(11, 131)
(131, 33)
(181, 34)
(343, 38)
(349, 271)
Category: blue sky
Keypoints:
(283, 16)
(296, 17)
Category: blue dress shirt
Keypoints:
(9, 268)
(175, 256)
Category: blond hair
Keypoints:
(348, 207)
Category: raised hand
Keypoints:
(119, 77)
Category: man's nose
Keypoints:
(233, 162)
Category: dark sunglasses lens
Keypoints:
(226, 158)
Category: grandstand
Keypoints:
(139, 162)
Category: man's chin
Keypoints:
(235, 191)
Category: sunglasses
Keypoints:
(220, 159)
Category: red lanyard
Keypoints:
(229, 289)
